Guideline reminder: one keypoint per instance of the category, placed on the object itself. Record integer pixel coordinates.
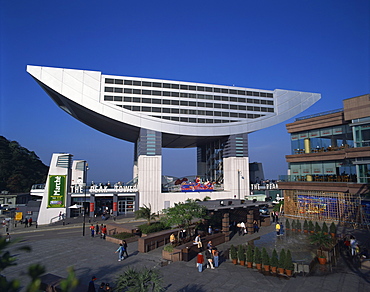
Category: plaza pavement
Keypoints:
(94, 256)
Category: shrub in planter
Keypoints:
(317, 228)
(305, 226)
(288, 263)
(332, 229)
(241, 254)
(282, 260)
(168, 247)
(265, 260)
(325, 228)
(299, 226)
(257, 258)
(249, 256)
(287, 224)
(311, 227)
(153, 227)
(233, 254)
(123, 235)
(274, 261)
(293, 225)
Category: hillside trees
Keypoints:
(19, 167)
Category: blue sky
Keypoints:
(314, 46)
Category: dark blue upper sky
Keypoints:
(315, 46)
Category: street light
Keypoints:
(84, 204)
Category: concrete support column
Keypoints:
(225, 226)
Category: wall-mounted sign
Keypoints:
(57, 191)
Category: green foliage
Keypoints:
(299, 225)
(321, 240)
(233, 252)
(274, 259)
(144, 280)
(265, 257)
(250, 254)
(71, 282)
(305, 225)
(287, 224)
(293, 224)
(282, 257)
(277, 207)
(168, 247)
(288, 261)
(182, 214)
(153, 227)
(257, 255)
(145, 212)
(310, 226)
(332, 228)
(317, 228)
(206, 198)
(123, 235)
(241, 253)
(325, 228)
(19, 167)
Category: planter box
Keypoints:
(174, 256)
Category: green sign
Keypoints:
(57, 191)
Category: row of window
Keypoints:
(189, 112)
(186, 95)
(187, 103)
(194, 120)
(186, 87)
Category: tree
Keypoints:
(145, 213)
(139, 281)
(282, 259)
(183, 214)
(274, 259)
(265, 257)
(321, 239)
(288, 261)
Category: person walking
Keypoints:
(200, 260)
(104, 231)
(124, 243)
(215, 254)
(30, 221)
(255, 226)
(26, 222)
(120, 251)
(92, 285)
(92, 229)
(277, 228)
(97, 229)
(209, 259)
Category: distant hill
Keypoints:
(19, 167)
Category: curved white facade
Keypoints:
(187, 114)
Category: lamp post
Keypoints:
(84, 204)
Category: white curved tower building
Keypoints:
(157, 113)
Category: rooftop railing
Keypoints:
(319, 114)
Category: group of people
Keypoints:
(98, 230)
(27, 222)
(279, 227)
(211, 255)
(103, 286)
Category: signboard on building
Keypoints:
(57, 191)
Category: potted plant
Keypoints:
(332, 229)
(281, 265)
(249, 256)
(299, 226)
(233, 254)
(324, 228)
(274, 262)
(311, 227)
(265, 260)
(289, 263)
(167, 252)
(322, 241)
(305, 226)
(241, 255)
(317, 228)
(287, 224)
(293, 225)
(257, 258)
